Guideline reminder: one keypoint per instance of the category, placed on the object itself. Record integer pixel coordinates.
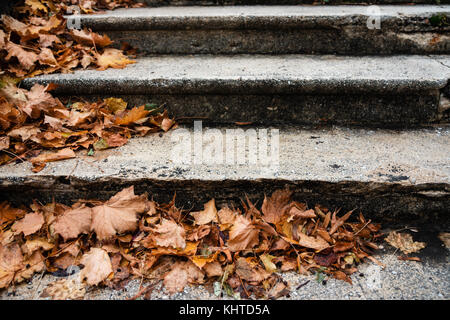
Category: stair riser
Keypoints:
(320, 41)
(400, 110)
(378, 201)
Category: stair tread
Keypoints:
(256, 73)
(410, 158)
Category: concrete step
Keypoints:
(295, 89)
(279, 29)
(390, 175)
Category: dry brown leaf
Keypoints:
(7, 213)
(135, 115)
(73, 222)
(88, 37)
(207, 215)
(445, 238)
(276, 206)
(33, 264)
(112, 58)
(97, 266)
(404, 242)
(11, 261)
(169, 234)
(118, 214)
(65, 289)
(62, 154)
(182, 274)
(336, 223)
(31, 223)
(243, 235)
(27, 59)
(31, 245)
(249, 270)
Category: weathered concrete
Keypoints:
(276, 29)
(298, 89)
(390, 175)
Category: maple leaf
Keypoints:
(169, 234)
(207, 215)
(87, 37)
(276, 206)
(38, 99)
(182, 274)
(73, 222)
(36, 5)
(47, 40)
(11, 261)
(404, 242)
(135, 115)
(27, 59)
(113, 58)
(118, 214)
(31, 223)
(97, 266)
(243, 234)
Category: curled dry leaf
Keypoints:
(249, 270)
(207, 215)
(118, 214)
(97, 266)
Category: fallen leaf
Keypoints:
(249, 270)
(113, 58)
(207, 215)
(31, 223)
(118, 214)
(276, 206)
(243, 235)
(73, 222)
(11, 261)
(169, 234)
(97, 266)
(182, 274)
(62, 154)
(404, 242)
(65, 289)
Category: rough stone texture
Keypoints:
(390, 175)
(298, 89)
(275, 29)
(400, 280)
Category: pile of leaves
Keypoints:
(32, 121)
(38, 42)
(237, 251)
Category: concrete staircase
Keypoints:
(362, 118)
(361, 112)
